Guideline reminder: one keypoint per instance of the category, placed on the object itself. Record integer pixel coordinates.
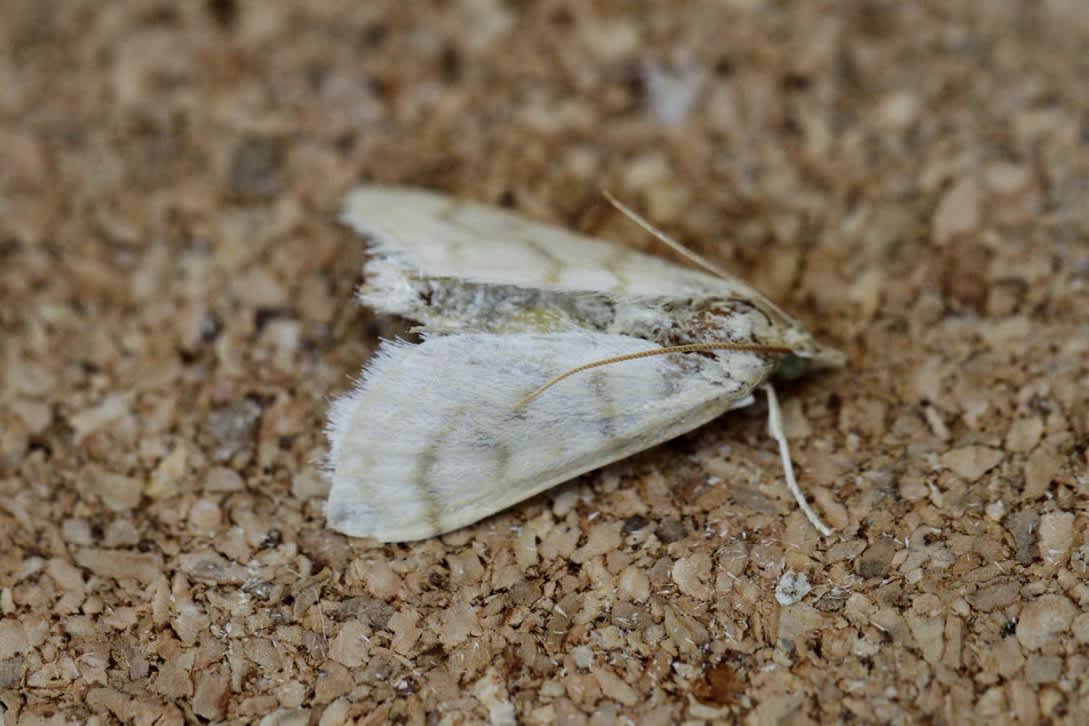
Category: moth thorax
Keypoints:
(725, 321)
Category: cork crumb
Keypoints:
(910, 184)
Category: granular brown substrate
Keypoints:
(911, 179)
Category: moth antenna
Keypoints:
(687, 348)
(693, 257)
(775, 428)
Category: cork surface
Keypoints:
(909, 179)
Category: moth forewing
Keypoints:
(433, 439)
(508, 395)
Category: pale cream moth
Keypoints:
(488, 409)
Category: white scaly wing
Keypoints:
(425, 234)
(459, 266)
(433, 439)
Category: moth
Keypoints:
(544, 355)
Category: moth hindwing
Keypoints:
(439, 435)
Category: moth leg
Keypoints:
(775, 428)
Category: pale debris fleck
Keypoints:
(1056, 537)
(35, 415)
(1040, 469)
(173, 679)
(257, 288)
(1023, 525)
(692, 575)
(457, 624)
(405, 626)
(118, 492)
(1080, 628)
(971, 462)
(307, 483)
(378, 576)
(671, 92)
(352, 644)
(1014, 192)
(95, 418)
(222, 479)
(634, 584)
(336, 712)
(798, 621)
(1043, 619)
(958, 213)
(485, 22)
(602, 539)
(1024, 434)
(792, 587)
(144, 567)
(206, 517)
(583, 656)
(210, 695)
(614, 687)
(995, 510)
(287, 717)
(899, 110)
(687, 633)
(13, 639)
(77, 531)
(233, 428)
(609, 40)
(927, 631)
(1043, 669)
(212, 567)
(492, 694)
(706, 713)
(937, 423)
(167, 477)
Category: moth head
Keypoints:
(791, 367)
(774, 327)
(806, 354)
